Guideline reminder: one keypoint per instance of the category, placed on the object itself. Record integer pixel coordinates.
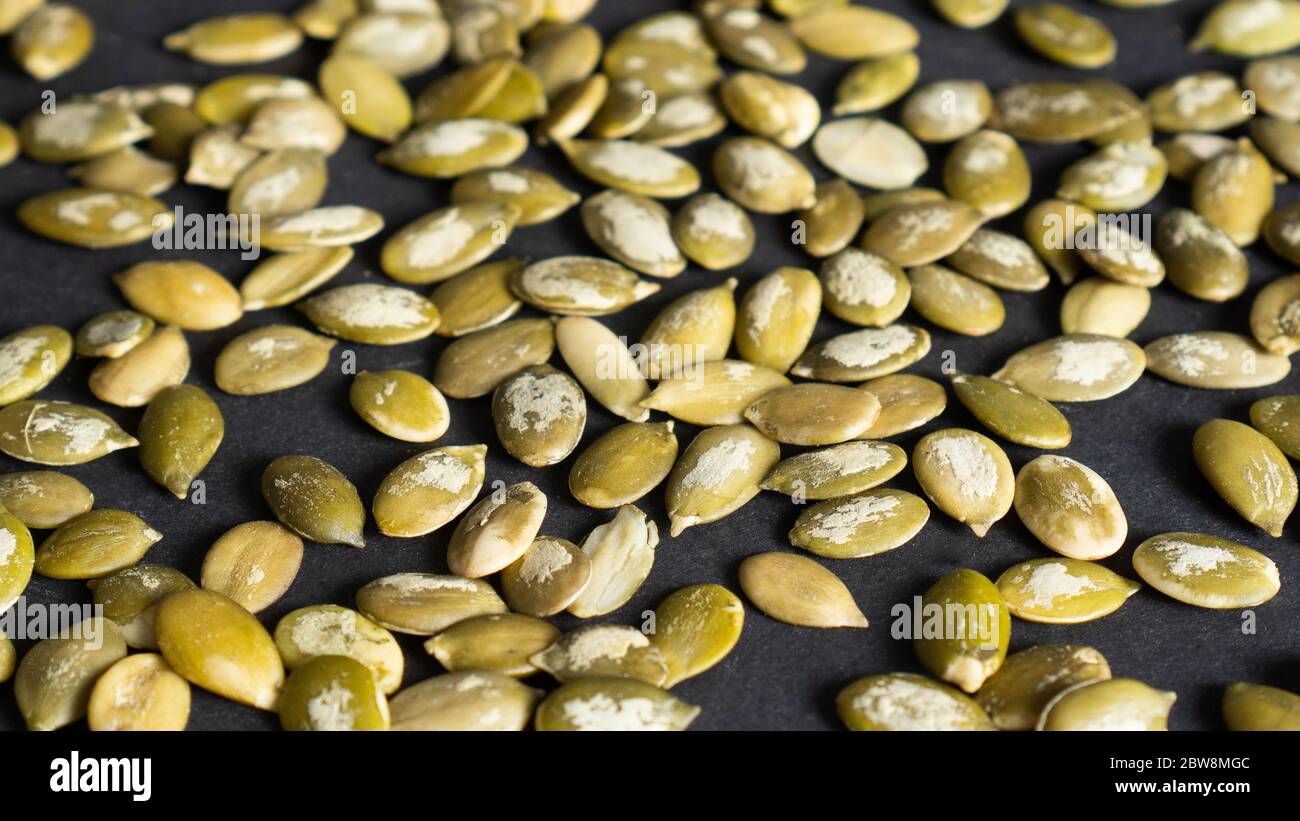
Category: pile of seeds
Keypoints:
(781, 407)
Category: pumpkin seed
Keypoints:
(1119, 255)
(947, 110)
(1060, 112)
(864, 524)
(694, 328)
(140, 692)
(623, 464)
(16, 563)
(629, 166)
(1011, 413)
(539, 414)
(329, 630)
(373, 314)
(445, 242)
(233, 99)
(480, 31)
(476, 364)
(428, 490)
(1200, 258)
(136, 377)
(875, 83)
(1275, 316)
(863, 354)
(624, 111)
(1119, 177)
(966, 475)
(863, 288)
(400, 404)
(1187, 152)
(713, 232)
(54, 680)
(52, 40)
(271, 358)
(798, 591)
(683, 119)
(1282, 231)
(905, 701)
(423, 604)
(1273, 79)
(550, 575)
(678, 28)
(778, 315)
(252, 564)
(1277, 139)
(313, 499)
(954, 301)
(813, 414)
(179, 433)
(13, 12)
(499, 643)
(1047, 232)
(1099, 306)
(1249, 28)
(842, 470)
(333, 693)
(783, 112)
(970, 13)
(617, 704)
(753, 41)
(1109, 704)
(1063, 591)
(870, 152)
(93, 218)
(30, 359)
(1234, 190)
(973, 647)
(371, 101)
(602, 363)
(94, 543)
(471, 700)
(403, 44)
(718, 473)
(695, 629)
(911, 235)
(238, 39)
(988, 171)
(621, 553)
(876, 204)
(603, 651)
(43, 499)
(281, 279)
(762, 176)
(217, 158)
(451, 148)
(1062, 34)
(563, 55)
(539, 197)
(834, 221)
(308, 125)
(1016, 694)
(128, 170)
(713, 393)
(854, 32)
(579, 286)
(1205, 101)
(59, 433)
(1248, 471)
(1215, 359)
(906, 402)
(465, 92)
(186, 294)
(476, 299)
(1001, 260)
(130, 598)
(9, 144)
(633, 230)
(1258, 707)
(1206, 571)
(1075, 368)
(1275, 416)
(280, 182)
(496, 531)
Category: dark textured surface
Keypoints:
(778, 676)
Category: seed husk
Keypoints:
(603, 365)
(539, 415)
(1011, 413)
(863, 354)
(59, 433)
(470, 700)
(233, 99)
(400, 404)
(966, 475)
(1016, 694)
(761, 104)
(128, 170)
(923, 232)
(955, 301)
(422, 604)
(281, 279)
(139, 693)
(52, 40)
(695, 628)
(1206, 571)
(330, 630)
(863, 288)
(313, 499)
(428, 490)
(1062, 34)
(130, 598)
(186, 294)
(905, 701)
(1259, 707)
(754, 41)
(30, 359)
(906, 402)
(988, 171)
(307, 124)
(271, 358)
(842, 470)
(799, 591)
(92, 218)
(16, 567)
(217, 157)
(474, 365)
(617, 704)
(634, 230)
(579, 286)
(1001, 260)
(622, 552)
(624, 111)
(1248, 471)
(496, 531)
(54, 680)
(713, 232)
(93, 544)
(372, 313)
(854, 32)
(403, 44)
(1249, 28)
(970, 14)
(476, 299)
(1188, 151)
(1273, 79)
(1215, 359)
(544, 581)
(538, 196)
(332, 693)
(623, 464)
(252, 564)
(1063, 591)
(873, 84)
(330, 226)
(237, 39)
(1277, 417)
(713, 393)
(1047, 232)
(870, 152)
(563, 55)
(975, 649)
(813, 414)
(864, 524)
(1060, 112)
(777, 317)
(762, 176)
(1234, 190)
(1275, 316)
(1108, 704)
(1075, 367)
(179, 433)
(604, 651)
(694, 328)
(451, 148)
(1200, 259)
(717, 474)
(371, 101)
(43, 499)
(683, 119)
(499, 643)
(634, 167)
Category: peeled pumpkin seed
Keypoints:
(1250, 28)
(602, 363)
(8, 659)
(186, 294)
(217, 157)
(623, 464)
(482, 31)
(544, 581)
(1011, 413)
(1109, 704)
(1001, 260)
(372, 314)
(180, 432)
(30, 359)
(474, 365)
(1060, 33)
(870, 152)
(683, 119)
(1099, 306)
(1188, 151)
(1047, 232)
(955, 302)
(854, 32)
(970, 13)
(139, 693)
(875, 83)
(428, 490)
(17, 560)
(694, 328)
(834, 221)
(326, 227)
(563, 55)
(464, 92)
(635, 167)
(499, 643)
(754, 41)
(621, 552)
(1060, 112)
(863, 354)
(476, 299)
(59, 433)
(280, 182)
(1248, 471)
(1258, 707)
(1117, 254)
(451, 148)
(403, 44)
(423, 604)
(1206, 571)
(128, 170)
(470, 700)
(252, 564)
(54, 680)
(43, 499)
(842, 470)
(313, 499)
(713, 232)
(947, 110)
(271, 358)
(1278, 140)
(1205, 101)
(539, 414)
(1273, 79)
(445, 242)
(1118, 177)
(92, 218)
(400, 404)
(906, 402)
(579, 286)
(988, 171)
(538, 196)
(1282, 231)
(813, 414)
(1234, 190)
(308, 124)
(52, 40)
(1063, 591)
(9, 144)
(603, 651)
(679, 28)
(877, 204)
(332, 693)
(281, 279)
(973, 627)
(330, 630)
(664, 66)
(239, 39)
(713, 393)
(1275, 316)
(627, 107)
(783, 112)
(905, 701)
(496, 531)
(762, 176)
(695, 629)
(1277, 417)
(798, 591)
(1215, 359)
(911, 235)
(864, 288)
(778, 314)
(233, 99)
(635, 231)
(13, 12)
(717, 474)
(371, 101)
(1200, 259)
(966, 475)
(615, 704)
(1075, 368)
(1016, 694)
(130, 598)
(95, 543)
(864, 524)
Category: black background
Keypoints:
(778, 676)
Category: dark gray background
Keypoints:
(778, 676)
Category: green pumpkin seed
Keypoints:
(1011, 413)
(988, 171)
(863, 354)
(472, 700)
(313, 499)
(904, 701)
(1059, 112)
(970, 13)
(550, 575)
(52, 40)
(332, 693)
(1119, 255)
(1063, 591)
(539, 415)
(837, 471)
(1119, 177)
(834, 221)
(625, 110)
(43, 499)
(874, 205)
(783, 112)
(1206, 571)
(635, 167)
(579, 286)
(128, 170)
(327, 227)
(633, 230)
(281, 279)
(763, 177)
(402, 44)
(954, 301)
(233, 99)
(1050, 227)
(1275, 316)
(713, 393)
(179, 434)
(683, 119)
(813, 414)
(563, 55)
(679, 28)
(1186, 153)
(371, 101)
(9, 144)
(778, 315)
(499, 643)
(973, 631)
(717, 474)
(175, 127)
(1001, 260)
(423, 604)
(1110, 704)
(30, 359)
(520, 99)
(139, 693)
(1248, 471)
(239, 39)
(330, 630)
(616, 704)
(1234, 190)
(1273, 79)
(186, 294)
(252, 564)
(482, 31)
(445, 242)
(59, 433)
(373, 314)
(875, 83)
(400, 404)
(1258, 707)
(1249, 28)
(603, 365)
(94, 219)
(95, 543)
(476, 364)
(17, 560)
(428, 490)
(602, 651)
(863, 288)
(623, 464)
(695, 628)
(54, 680)
(476, 299)
(1277, 139)
(870, 152)
(798, 591)
(1282, 231)
(864, 524)
(496, 531)
(621, 553)
(271, 358)
(966, 475)
(217, 158)
(537, 196)
(1201, 260)
(947, 110)
(694, 328)
(1075, 368)
(462, 93)
(307, 124)
(911, 235)
(1205, 101)
(130, 598)
(1062, 34)
(454, 147)
(1016, 694)
(13, 12)
(1099, 306)
(713, 232)
(1215, 359)
(854, 32)
(906, 403)
(753, 41)
(1277, 417)
(281, 182)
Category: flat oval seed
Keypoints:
(1059, 112)
(1278, 140)
(271, 358)
(864, 524)
(563, 55)
(837, 471)
(43, 499)
(130, 598)
(1063, 591)
(616, 704)
(129, 170)
(308, 124)
(1016, 694)
(834, 221)
(219, 646)
(1277, 417)
(1206, 101)
(455, 147)
(798, 591)
(904, 701)
(92, 218)
(428, 490)
(539, 415)
(52, 40)
(1001, 260)
(137, 376)
(371, 101)
(423, 604)
(683, 119)
(1275, 316)
(94, 544)
(1248, 471)
(372, 313)
(749, 39)
(1187, 152)
(762, 176)
(1070, 508)
(863, 288)
(59, 433)
(695, 628)
(988, 171)
(579, 286)
(973, 648)
(875, 83)
(783, 112)
(713, 232)
(1011, 413)
(180, 432)
(1234, 190)
(400, 404)
(1118, 177)
(496, 531)
(718, 473)
(970, 13)
(1282, 233)
(694, 328)
(80, 130)
(906, 402)
(481, 31)
(329, 226)
(477, 363)
(634, 230)
(713, 393)
(330, 630)
(16, 564)
(954, 301)
(470, 700)
(603, 365)
(1257, 707)
(863, 354)
(1200, 258)
(622, 552)
(1215, 359)
(870, 152)
(402, 44)
(947, 110)
(1075, 368)
(463, 93)
(549, 577)
(1060, 33)
(603, 651)
(966, 475)
(538, 196)
(217, 157)
(623, 111)
(476, 299)
(8, 144)
(634, 167)
(332, 693)
(281, 279)
(854, 32)
(1110, 704)
(814, 414)
(1273, 79)
(187, 294)
(623, 464)
(313, 499)
(252, 564)
(777, 317)
(139, 693)
(233, 99)
(54, 680)
(1249, 28)
(111, 334)
(1050, 227)
(499, 643)
(916, 234)
(238, 39)
(1206, 571)
(30, 359)
(280, 182)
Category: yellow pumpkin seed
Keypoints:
(1075, 368)
(112, 334)
(372, 313)
(180, 432)
(499, 643)
(906, 402)
(762, 176)
(476, 364)
(713, 393)
(139, 693)
(54, 681)
(863, 354)
(470, 700)
(713, 232)
(1111, 704)
(1248, 471)
(93, 218)
(52, 40)
(239, 39)
(59, 433)
(973, 631)
(1215, 359)
(252, 564)
(717, 474)
(1206, 571)
(1016, 694)
(622, 552)
(42, 499)
(579, 286)
(798, 591)
(423, 604)
(30, 359)
(695, 628)
(371, 101)
(905, 701)
(496, 531)
(271, 358)
(186, 294)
